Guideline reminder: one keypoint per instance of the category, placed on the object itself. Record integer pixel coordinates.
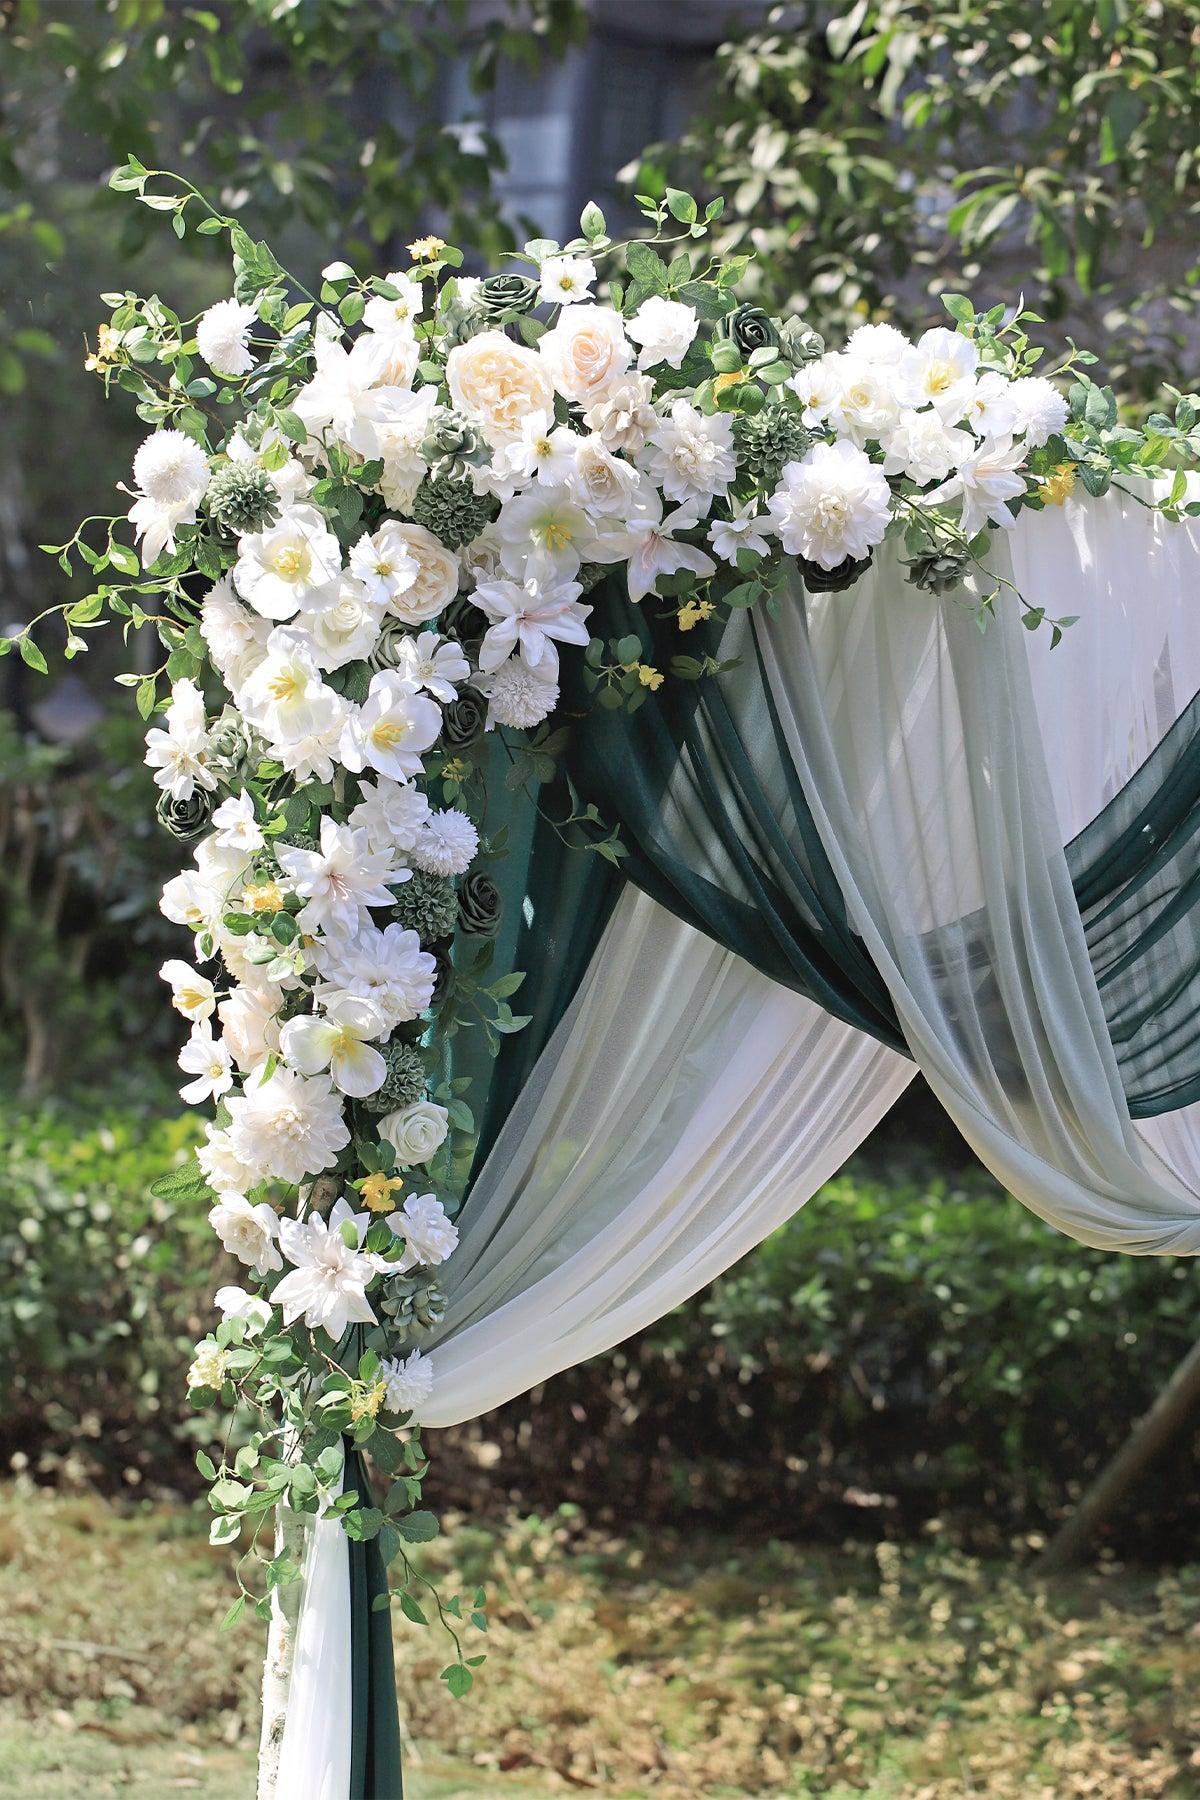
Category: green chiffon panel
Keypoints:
(375, 1772)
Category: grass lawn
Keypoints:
(661, 1669)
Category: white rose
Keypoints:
(437, 576)
(247, 1232)
(416, 1132)
(586, 352)
(497, 384)
(664, 329)
(601, 481)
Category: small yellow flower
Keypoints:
(1059, 485)
(426, 248)
(733, 378)
(262, 897)
(365, 1401)
(108, 344)
(455, 770)
(377, 1191)
(208, 1367)
(649, 677)
(693, 613)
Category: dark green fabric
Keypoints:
(375, 1772)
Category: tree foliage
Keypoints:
(904, 147)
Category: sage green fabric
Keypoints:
(375, 1772)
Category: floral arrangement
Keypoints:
(364, 526)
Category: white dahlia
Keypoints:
(833, 504)
(518, 696)
(288, 1126)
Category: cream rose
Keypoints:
(416, 1132)
(586, 352)
(497, 384)
(437, 576)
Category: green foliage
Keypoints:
(902, 147)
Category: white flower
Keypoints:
(392, 727)
(817, 385)
(530, 618)
(990, 411)
(923, 447)
(328, 1281)
(236, 638)
(664, 329)
(866, 406)
(416, 1133)
(880, 344)
(339, 1040)
(497, 384)
(192, 994)
(624, 416)
(340, 882)
(409, 1381)
(384, 563)
(388, 968)
(398, 353)
(518, 696)
(288, 1126)
(654, 550)
(564, 280)
(247, 1232)
(178, 755)
(1039, 409)
(208, 1059)
(434, 663)
(985, 481)
(480, 559)
(209, 1365)
(390, 813)
(171, 469)
(345, 396)
(436, 580)
(188, 900)
(295, 562)
(832, 505)
(236, 826)
(384, 315)
(602, 482)
(285, 696)
(691, 457)
(251, 1029)
(542, 451)
(422, 1222)
(585, 352)
(235, 1303)
(446, 844)
(743, 531)
(401, 425)
(543, 533)
(223, 335)
(347, 632)
(223, 1170)
(938, 370)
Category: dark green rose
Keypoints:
(750, 328)
(479, 904)
(833, 581)
(463, 720)
(506, 293)
(186, 819)
(443, 975)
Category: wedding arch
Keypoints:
(776, 720)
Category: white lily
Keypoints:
(339, 1039)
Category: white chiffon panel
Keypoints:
(314, 1758)
(684, 1108)
(917, 741)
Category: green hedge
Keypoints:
(908, 1346)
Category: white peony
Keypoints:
(388, 968)
(223, 1169)
(446, 843)
(400, 428)
(833, 505)
(390, 813)
(938, 370)
(866, 407)
(585, 353)
(393, 726)
(530, 618)
(329, 1277)
(1039, 409)
(415, 1133)
(518, 696)
(664, 329)
(235, 636)
(340, 1040)
(340, 882)
(247, 1232)
(251, 1030)
(624, 416)
(922, 446)
(429, 1237)
(691, 456)
(349, 396)
(409, 1381)
(602, 482)
(295, 562)
(288, 1126)
(497, 384)
(223, 337)
(881, 344)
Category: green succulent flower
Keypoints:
(413, 1303)
(937, 571)
(768, 440)
(428, 905)
(404, 1082)
(452, 445)
(234, 747)
(452, 510)
(242, 497)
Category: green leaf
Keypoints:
(646, 268)
(959, 307)
(234, 1614)
(681, 206)
(206, 1466)
(419, 1527)
(146, 696)
(458, 1679)
(31, 655)
(184, 1184)
(411, 1610)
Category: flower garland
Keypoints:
(368, 523)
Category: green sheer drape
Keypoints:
(375, 1772)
